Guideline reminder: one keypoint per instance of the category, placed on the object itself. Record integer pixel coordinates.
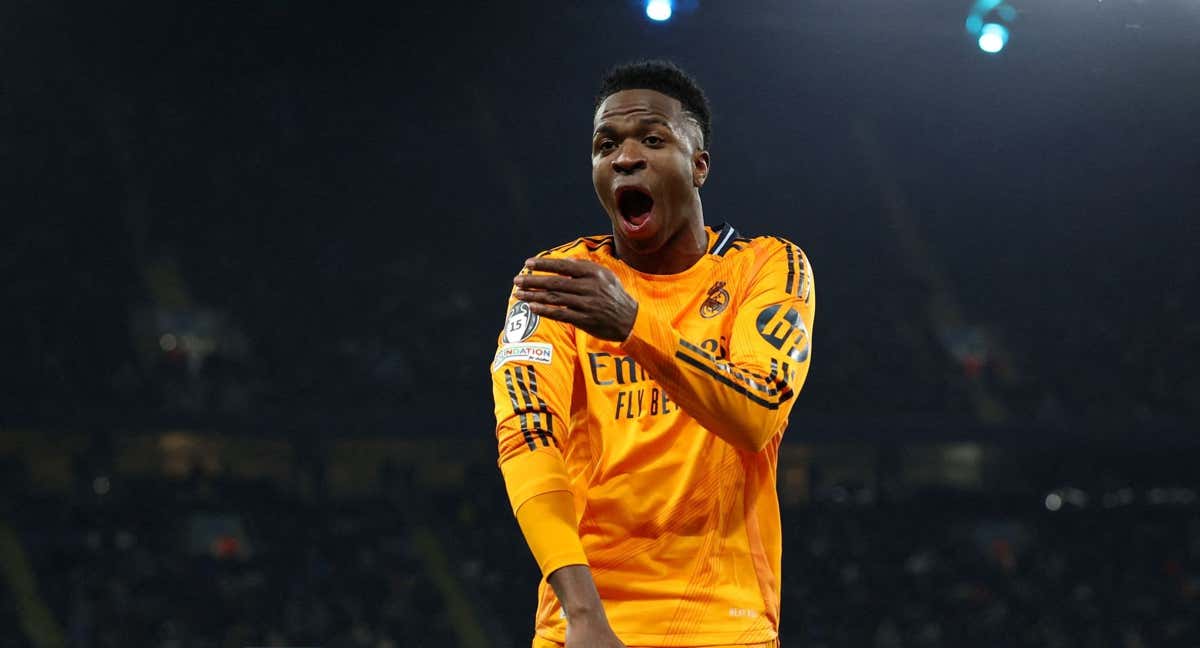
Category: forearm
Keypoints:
(744, 405)
(548, 523)
(576, 591)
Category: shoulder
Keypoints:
(766, 248)
(583, 247)
(768, 245)
(775, 257)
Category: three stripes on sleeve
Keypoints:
(530, 409)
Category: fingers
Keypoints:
(551, 298)
(557, 283)
(565, 315)
(568, 267)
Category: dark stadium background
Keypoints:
(255, 256)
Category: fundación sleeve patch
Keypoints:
(521, 323)
(529, 352)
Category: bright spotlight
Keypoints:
(658, 10)
(992, 38)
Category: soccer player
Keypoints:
(642, 384)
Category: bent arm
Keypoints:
(745, 399)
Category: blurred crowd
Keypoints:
(921, 576)
(230, 348)
(211, 561)
(936, 570)
(215, 563)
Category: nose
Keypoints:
(629, 159)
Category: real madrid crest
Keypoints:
(716, 301)
(521, 323)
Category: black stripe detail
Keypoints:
(779, 373)
(512, 396)
(559, 248)
(776, 377)
(564, 248)
(802, 289)
(593, 243)
(533, 388)
(535, 415)
(747, 377)
(771, 386)
(734, 386)
(794, 263)
(791, 269)
(693, 347)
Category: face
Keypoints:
(647, 167)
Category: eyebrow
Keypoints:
(644, 121)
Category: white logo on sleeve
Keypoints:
(529, 352)
(521, 323)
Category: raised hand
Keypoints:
(584, 294)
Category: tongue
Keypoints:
(636, 206)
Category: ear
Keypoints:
(699, 168)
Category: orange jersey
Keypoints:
(668, 441)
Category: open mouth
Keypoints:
(635, 205)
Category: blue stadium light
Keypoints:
(987, 23)
(992, 38)
(658, 10)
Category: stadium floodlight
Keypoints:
(993, 37)
(658, 10)
(987, 22)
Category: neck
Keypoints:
(680, 252)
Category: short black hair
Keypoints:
(665, 77)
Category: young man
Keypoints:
(642, 384)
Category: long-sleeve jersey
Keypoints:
(667, 441)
